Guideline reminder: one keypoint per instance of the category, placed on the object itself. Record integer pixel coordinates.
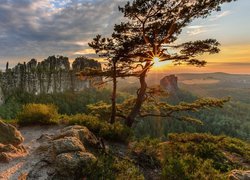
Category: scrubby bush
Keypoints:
(115, 132)
(100, 109)
(111, 167)
(10, 108)
(67, 102)
(147, 152)
(91, 122)
(188, 156)
(207, 146)
(189, 167)
(42, 114)
(202, 156)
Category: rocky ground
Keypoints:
(61, 153)
(49, 152)
(25, 161)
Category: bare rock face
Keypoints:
(239, 175)
(169, 83)
(51, 75)
(65, 155)
(10, 143)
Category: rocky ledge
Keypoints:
(10, 143)
(65, 155)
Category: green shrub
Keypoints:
(192, 137)
(189, 167)
(202, 156)
(115, 132)
(91, 122)
(42, 114)
(110, 167)
(100, 109)
(189, 156)
(213, 147)
(147, 152)
(10, 108)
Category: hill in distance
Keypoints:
(219, 85)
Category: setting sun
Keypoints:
(158, 63)
(124, 89)
(156, 59)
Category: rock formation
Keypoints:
(9, 134)
(169, 83)
(65, 155)
(54, 74)
(10, 142)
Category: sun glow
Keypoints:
(156, 59)
(158, 63)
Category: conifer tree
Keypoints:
(149, 32)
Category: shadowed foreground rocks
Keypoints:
(74, 153)
(9, 134)
(239, 175)
(10, 143)
(65, 155)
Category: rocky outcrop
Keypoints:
(82, 133)
(54, 74)
(65, 155)
(10, 142)
(74, 165)
(170, 84)
(9, 152)
(239, 175)
(9, 134)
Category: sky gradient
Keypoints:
(40, 28)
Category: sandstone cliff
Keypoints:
(170, 83)
(54, 74)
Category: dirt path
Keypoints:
(22, 165)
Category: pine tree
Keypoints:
(150, 31)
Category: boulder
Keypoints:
(10, 143)
(9, 134)
(41, 171)
(67, 144)
(64, 156)
(77, 163)
(82, 133)
(239, 175)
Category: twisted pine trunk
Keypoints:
(140, 98)
(113, 98)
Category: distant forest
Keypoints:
(232, 120)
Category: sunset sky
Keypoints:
(40, 28)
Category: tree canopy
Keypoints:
(150, 30)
